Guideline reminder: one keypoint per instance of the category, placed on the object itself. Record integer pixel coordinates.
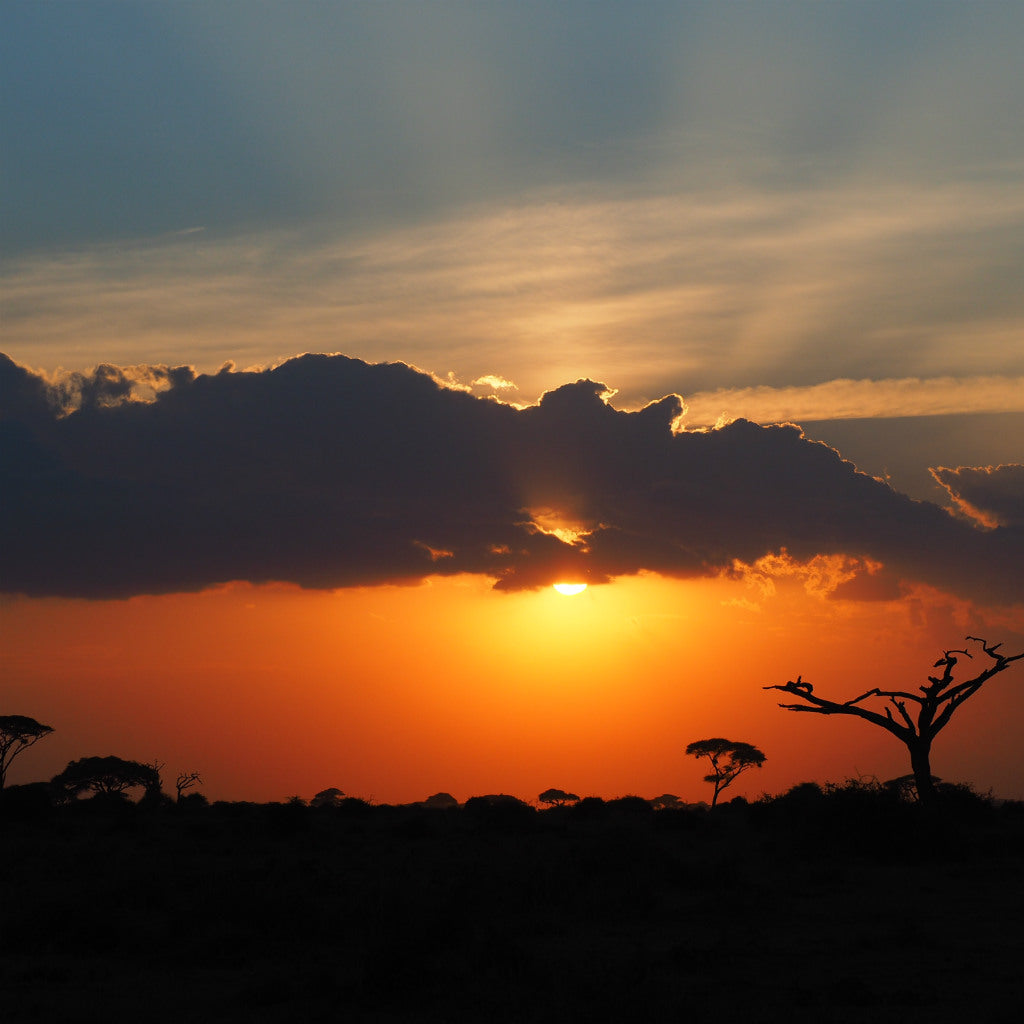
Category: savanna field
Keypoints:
(845, 905)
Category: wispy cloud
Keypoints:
(696, 293)
(854, 399)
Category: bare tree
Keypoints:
(186, 780)
(17, 733)
(935, 704)
(728, 760)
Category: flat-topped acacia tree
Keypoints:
(728, 760)
(915, 727)
(17, 733)
(107, 776)
(557, 798)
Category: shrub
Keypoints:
(499, 811)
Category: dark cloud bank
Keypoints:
(331, 472)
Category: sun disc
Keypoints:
(570, 588)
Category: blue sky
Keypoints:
(125, 120)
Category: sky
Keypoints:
(333, 334)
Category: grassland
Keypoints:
(846, 907)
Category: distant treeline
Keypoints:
(862, 799)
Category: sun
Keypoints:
(569, 589)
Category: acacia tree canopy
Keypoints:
(934, 706)
(330, 797)
(17, 733)
(108, 775)
(728, 760)
(557, 797)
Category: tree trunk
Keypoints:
(920, 762)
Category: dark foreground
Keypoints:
(806, 910)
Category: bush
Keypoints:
(630, 807)
(23, 803)
(354, 807)
(592, 808)
(804, 796)
(499, 811)
(961, 800)
(441, 801)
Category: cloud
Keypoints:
(493, 382)
(708, 289)
(857, 399)
(991, 495)
(329, 472)
(821, 575)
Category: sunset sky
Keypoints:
(335, 333)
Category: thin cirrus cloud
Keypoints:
(329, 472)
(858, 399)
(703, 292)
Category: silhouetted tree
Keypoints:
(667, 801)
(328, 798)
(185, 781)
(937, 701)
(441, 801)
(499, 811)
(17, 733)
(557, 798)
(728, 760)
(110, 776)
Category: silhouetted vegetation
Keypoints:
(933, 708)
(107, 777)
(597, 910)
(499, 811)
(186, 781)
(327, 798)
(17, 734)
(557, 798)
(728, 761)
(666, 801)
(441, 801)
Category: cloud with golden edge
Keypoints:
(991, 495)
(328, 472)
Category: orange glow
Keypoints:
(570, 589)
(394, 693)
(567, 529)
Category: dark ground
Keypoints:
(803, 909)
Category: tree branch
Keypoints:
(821, 706)
(902, 708)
